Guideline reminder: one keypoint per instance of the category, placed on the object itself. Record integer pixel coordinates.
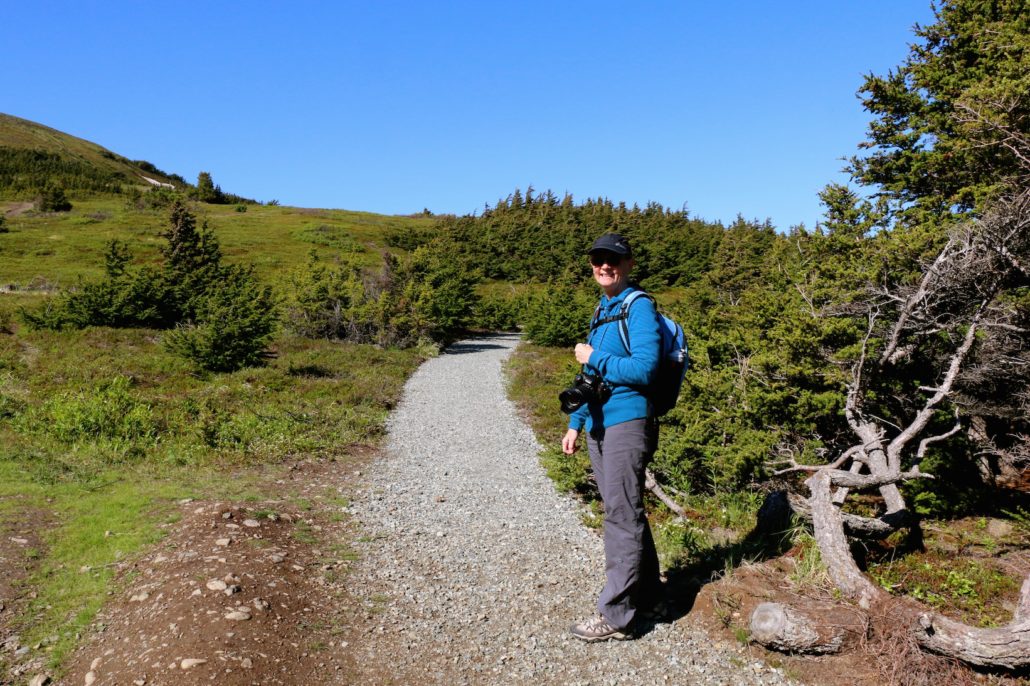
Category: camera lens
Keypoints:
(571, 399)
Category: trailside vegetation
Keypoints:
(222, 317)
(416, 300)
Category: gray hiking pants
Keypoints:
(619, 455)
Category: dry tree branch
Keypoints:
(925, 443)
(860, 482)
(652, 484)
(855, 452)
(919, 295)
(922, 418)
(851, 404)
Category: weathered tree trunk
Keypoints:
(814, 629)
(867, 528)
(1007, 646)
(828, 528)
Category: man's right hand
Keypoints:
(568, 442)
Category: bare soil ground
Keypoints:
(20, 548)
(16, 209)
(235, 593)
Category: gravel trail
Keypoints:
(473, 566)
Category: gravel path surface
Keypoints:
(473, 566)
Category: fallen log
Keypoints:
(818, 630)
(1007, 646)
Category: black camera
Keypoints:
(585, 388)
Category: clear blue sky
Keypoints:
(741, 107)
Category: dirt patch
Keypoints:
(18, 208)
(20, 549)
(236, 593)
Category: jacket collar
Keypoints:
(608, 303)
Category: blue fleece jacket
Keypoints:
(627, 372)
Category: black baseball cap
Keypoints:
(612, 242)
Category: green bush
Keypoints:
(409, 238)
(108, 411)
(403, 304)
(52, 199)
(224, 319)
(500, 311)
(321, 299)
(157, 198)
(560, 316)
(331, 237)
(235, 322)
(3, 224)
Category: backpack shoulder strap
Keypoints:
(624, 315)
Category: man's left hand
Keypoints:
(583, 353)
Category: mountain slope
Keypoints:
(32, 154)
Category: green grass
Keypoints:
(58, 249)
(97, 523)
(961, 570)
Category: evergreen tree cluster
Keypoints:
(26, 171)
(778, 323)
(539, 237)
(421, 299)
(208, 191)
(219, 315)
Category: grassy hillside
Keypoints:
(18, 134)
(56, 249)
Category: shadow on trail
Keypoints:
(477, 345)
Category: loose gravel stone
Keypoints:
(475, 567)
(216, 585)
(191, 662)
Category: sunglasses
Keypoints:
(601, 258)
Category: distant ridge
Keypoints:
(29, 150)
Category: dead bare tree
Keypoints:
(957, 319)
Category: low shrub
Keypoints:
(500, 311)
(108, 411)
(224, 319)
(330, 236)
(560, 317)
(403, 303)
(52, 199)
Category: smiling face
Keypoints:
(611, 271)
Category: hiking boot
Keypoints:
(598, 629)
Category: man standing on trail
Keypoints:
(622, 434)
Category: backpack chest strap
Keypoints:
(621, 316)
